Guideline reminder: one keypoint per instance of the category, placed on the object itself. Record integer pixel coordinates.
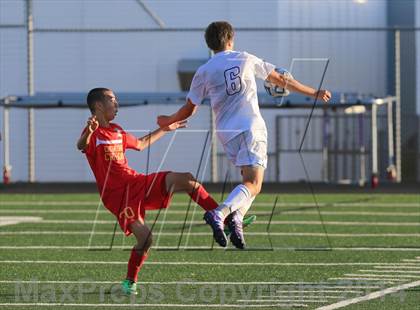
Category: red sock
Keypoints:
(134, 265)
(203, 198)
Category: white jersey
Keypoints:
(228, 80)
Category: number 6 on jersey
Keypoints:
(233, 81)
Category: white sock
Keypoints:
(245, 207)
(236, 199)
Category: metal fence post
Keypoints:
(31, 91)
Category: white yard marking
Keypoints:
(13, 220)
(318, 301)
(302, 285)
(311, 234)
(131, 305)
(329, 286)
(378, 279)
(397, 276)
(373, 295)
(81, 211)
(340, 223)
(392, 271)
(165, 283)
(68, 247)
(303, 297)
(57, 211)
(398, 267)
(64, 262)
(320, 291)
(411, 260)
(48, 203)
(260, 204)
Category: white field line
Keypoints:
(340, 223)
(49, 203)
(108, 233)
(411, 260)
(280, 284)
(393, 271)
(301, 285)
(398, 267)
(397, 276)
(164, 283)
(323, 286)
(303, 294)
(260, 204)
(130, 305)
(13, 220)
(376, 279)
(373, 295)
(64, 262)
(286, 292)
(76, 211)
(59, 211)
(209, 248)
(318, 301)
(296, 297)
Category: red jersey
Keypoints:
(106, 155)
(124, 191)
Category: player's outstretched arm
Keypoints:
(183, 113)
(295, 86)
(151, 138)
(92, 125)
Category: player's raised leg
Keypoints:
(185, 182)
(138, 255)
(177, 182)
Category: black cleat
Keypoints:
(234, 222)
(216, 224)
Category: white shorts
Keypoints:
(248, 149)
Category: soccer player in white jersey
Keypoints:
(228, 79)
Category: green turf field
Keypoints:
(58, 249)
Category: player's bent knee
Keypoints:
(191, 182)
(189, 176)
(144, 244)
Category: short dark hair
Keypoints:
(94, 95)
(218, 34)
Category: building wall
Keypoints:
(147, 61)
(418, 56)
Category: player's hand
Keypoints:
(164, 121)
(324, 95)
(176, 125)
(92, 124)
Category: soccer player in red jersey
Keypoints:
(125, 192)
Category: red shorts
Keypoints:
(144, 192)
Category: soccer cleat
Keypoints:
(246, 222)
(216, 224)
(237, 234)
(129, 287)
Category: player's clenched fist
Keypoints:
(92, 124)
(324, 95)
